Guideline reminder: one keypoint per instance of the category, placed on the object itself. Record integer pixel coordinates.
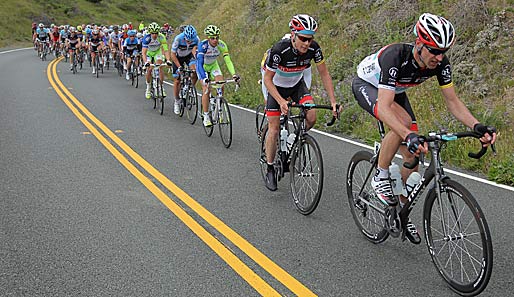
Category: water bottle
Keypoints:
(283, 139)
(411, 182)
(290, 141)
(396, 178)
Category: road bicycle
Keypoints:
(45, 49)
(99, 66)
(135, 70)
(456, 231)
(219, 112)
(188, 96)
(156, 92)
(300, 155)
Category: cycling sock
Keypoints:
(381, 173)
(270, 167)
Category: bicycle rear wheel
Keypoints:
(160, 96)
(458, 238)
(97, 65)
(259, 119)
(306, 174)
(225, 123)
(262, 159)
(191, 106)
(365, 207)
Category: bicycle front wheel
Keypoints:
(210, 129)
(364, 205)
(306, 174)
(458, 238)
(191, 105)
(225, 123)
(260, 119)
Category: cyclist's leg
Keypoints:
(176, 79)
(192, 66)
(302, 95)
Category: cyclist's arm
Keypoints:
(457, 107)
(143, 54)
(386, 114)
(272, 89)
(327, 82)
(174, 58)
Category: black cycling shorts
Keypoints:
(299, 94)
(366, 95)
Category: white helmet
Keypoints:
(435, 31)
(303, 24)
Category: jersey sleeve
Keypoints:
(224, 52)
(202, 48)
(444, 77)
(390, 61)
(274, 58)
(163, 41)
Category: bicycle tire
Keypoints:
(370, 222)
(161, 96)
(208, 130)
(182, 99)
(259, 120)
(468, 265)
(97, 65)
(191, 105)
(225, 123)
(136, 78)
(306, 174)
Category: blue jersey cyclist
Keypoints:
(183, 51)
(208, 52)
(154, 47)
(130, 49)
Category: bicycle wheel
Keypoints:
(136, 77)
(225, 123)
(97, 65)
(306, 174)
(458, 238)
(259, 119)
(210, 129)
(161, 97)
(365, 207)
(182, 94)
(191, 106)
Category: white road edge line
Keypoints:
(15, 50)
(485, 181)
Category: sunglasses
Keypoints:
(435, 51)
(214, 37)
(304, 38)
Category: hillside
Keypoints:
(351, 30)
(16, 16)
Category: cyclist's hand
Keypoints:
(283, 106)
(169, 63)
(206, 81)
(237, 78)
(336, 112)
(179, 70)
(147, 64)
(488, 133)
(415, 144)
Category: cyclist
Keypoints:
(154, 46)
(55, 36)
(208, 52)
(284, 78)
(96, 48)
(183, 51)
(113, 43)
(130, 49)
(383, 77)
(73, 44)
(63, 35)
(42, 35)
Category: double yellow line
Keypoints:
(254, 280)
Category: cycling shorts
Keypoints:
(189, 60)
(154, 56)
(366, 95)
(298, 94)
(213, 69)
(131, 52)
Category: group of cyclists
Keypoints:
(379, 85)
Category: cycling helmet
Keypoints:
(115, 28)
(131, 33)
(106, 31)
(166, 25)
(95, 32)
(88, 30)
(41, 25)
(190, 32)
(211, 30)
(154, 28)
(303, 24)
(79, 28)
(434, 31)
(181, 28)
(139, 35)
(72, 29)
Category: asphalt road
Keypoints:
(79, 216)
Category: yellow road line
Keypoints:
(232, 260)
(267, 264)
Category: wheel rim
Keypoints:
(225, 124)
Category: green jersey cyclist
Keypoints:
(154, 47)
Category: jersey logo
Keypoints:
(276, 59)
(393, 72)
